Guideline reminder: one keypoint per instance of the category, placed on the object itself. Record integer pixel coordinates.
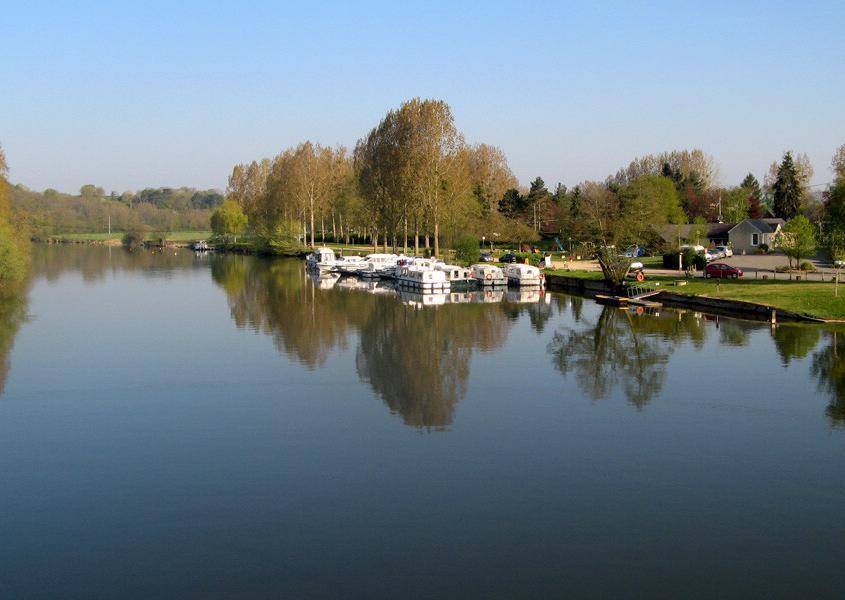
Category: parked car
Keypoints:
(486, 257)
(509, 257)
(721, 271)
(713, 254)
(725, 250)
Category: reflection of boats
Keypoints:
(524, 296)
(524, 275)
(200, 246)
(324, 281)
(418, 299)
(488, 275)
(459, 277)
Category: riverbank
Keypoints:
(792, 300)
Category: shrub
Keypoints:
(807, 266)
(690, 259)
(467, 250)
(783, 269)
(133, 238)
(763, 248)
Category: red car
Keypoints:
(721, 271)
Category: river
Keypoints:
(221, 426)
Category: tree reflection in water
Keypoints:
(13, 303)
(615, 351)
(828, 367)
(417, 361)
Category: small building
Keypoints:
(750, 234)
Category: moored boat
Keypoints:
(417, 277)
(524, 275)
(322, 259)
(488, 275)
(459, 277)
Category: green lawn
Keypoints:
(176, 236)
(810, 298)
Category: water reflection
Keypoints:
(615, 350)
(828, 367)
(13, 303)
(417, 361)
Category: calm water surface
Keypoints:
(214, 426)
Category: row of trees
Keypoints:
(412, 181)
(51, 212)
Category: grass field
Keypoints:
(176, 236)
(812, 298)
(804, 297)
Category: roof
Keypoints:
(714, 230)
(763, 225)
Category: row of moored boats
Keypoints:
(423, 274)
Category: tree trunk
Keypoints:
(426, 242)
(334, 229)
(416, 238)
(436, 237)
(322, 228)
(312, 222)
(405, 237)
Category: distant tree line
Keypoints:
(151, 209)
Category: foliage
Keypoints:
(14, 255)
(807, 266)
(692, 167)
(787, 190)
(614, 267)
(798, 239)
(837, 163)
(755, 196)
(467, 250)
(229, 221)
(736, 204)
(134, 237)
(53, 213)
(285, 239)
(698, 231)
(648, 201)
(690, 259)
(763, 248)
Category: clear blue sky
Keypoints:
(129, 95)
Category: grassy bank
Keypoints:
(810, 298)
(174, 236)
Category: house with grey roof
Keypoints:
(748, 235)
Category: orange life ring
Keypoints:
(488, 276)
(640, 276)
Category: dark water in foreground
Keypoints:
(181, 426)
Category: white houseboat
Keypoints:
(322, 259)
(488, 275)
(417, 277)
(378, 265)
(459, 277)
(524, 275)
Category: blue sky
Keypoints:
(130, 95)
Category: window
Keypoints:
(755, 239)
